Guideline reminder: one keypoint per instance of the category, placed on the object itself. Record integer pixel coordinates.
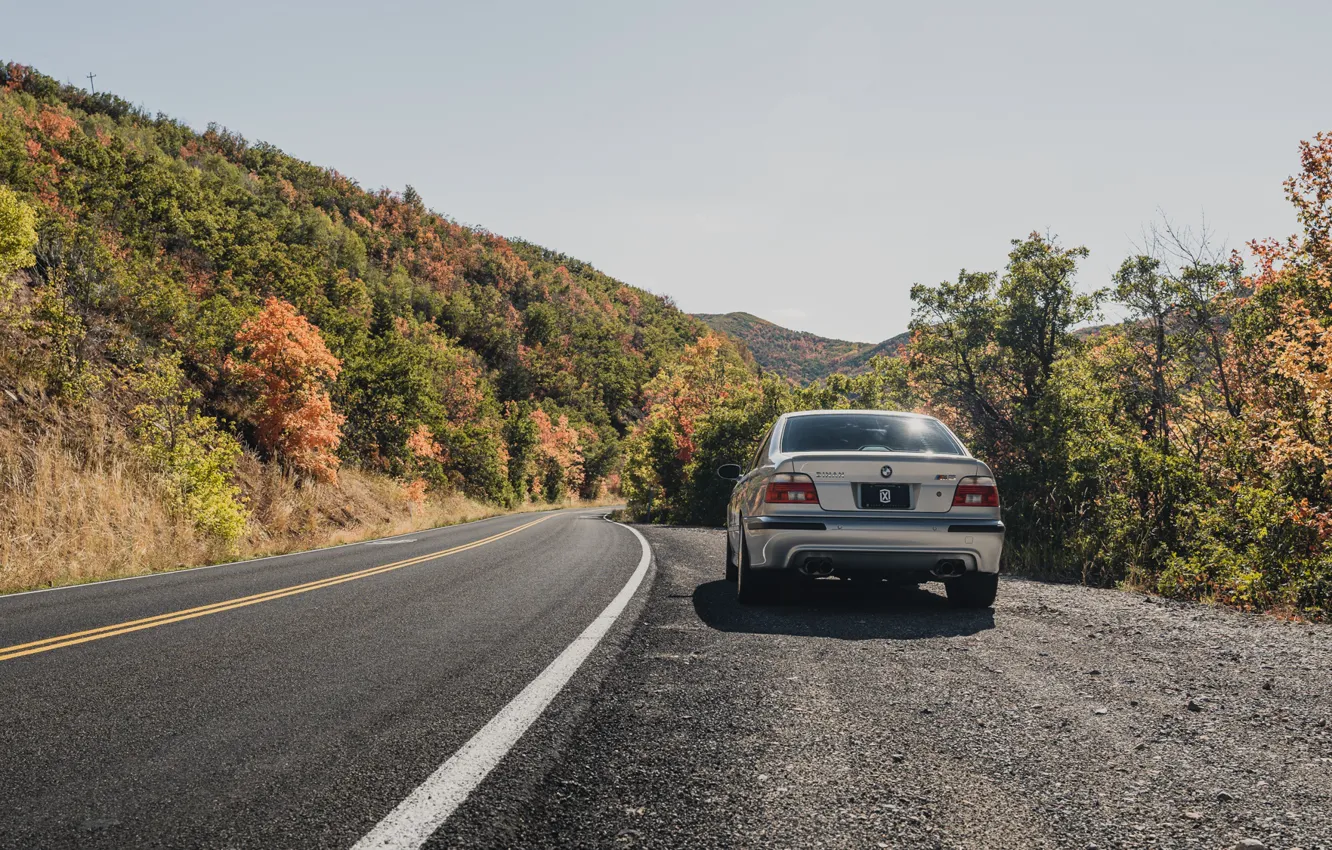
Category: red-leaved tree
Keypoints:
(284, 358)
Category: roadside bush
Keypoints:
(196, 457)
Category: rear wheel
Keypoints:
(973, 590)
(732, 571)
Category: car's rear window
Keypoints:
(855, 432)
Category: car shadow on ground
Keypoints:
(841, 609)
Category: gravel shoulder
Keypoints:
(1066, 717)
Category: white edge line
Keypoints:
(163, 573)
(425, 810)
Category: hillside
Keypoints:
(803, 357)
(228, 315)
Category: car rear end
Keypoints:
(874, 494)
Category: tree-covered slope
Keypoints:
(221, 297)
(803, 357)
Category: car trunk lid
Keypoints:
(838, 478)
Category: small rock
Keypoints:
(926, 711)
(1194, 816)
(1194, 705)
(1267, 686)
(1248, 844)
(898, 758)
(1224, 797)
(1101, 711)
(1093, 672)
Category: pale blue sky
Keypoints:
(804, 161)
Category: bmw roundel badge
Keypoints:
(886, 472)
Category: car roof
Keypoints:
(878, 412)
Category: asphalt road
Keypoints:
(299, 719)
(1064, 718)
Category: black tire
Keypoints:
(973, 590)
(732, 571)
(751, 588)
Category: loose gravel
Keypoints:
(1066, 717)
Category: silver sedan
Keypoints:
(868, 494)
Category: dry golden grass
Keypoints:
(78, 509)
(77, 504)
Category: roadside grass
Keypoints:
(78, 504)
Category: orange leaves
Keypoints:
(1301, 354)
(287, 191)
(284, 358)
(415, 491)
(1311, 193)
(706, 375)
(558, 454)
(56, 124)
(15, 76)
(421, 443)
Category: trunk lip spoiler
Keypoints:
(917, 456)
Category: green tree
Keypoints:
(195, 456)
(986, 353)
(18, 234)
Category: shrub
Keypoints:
(195, 456)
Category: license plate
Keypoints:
(885, 496)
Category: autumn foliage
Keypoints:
(558, 457)
(282, 356)
(390, 337)
(1186, 450)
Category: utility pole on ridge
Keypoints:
(91, 87)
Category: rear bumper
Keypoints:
(891, 545)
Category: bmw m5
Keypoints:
(864, 495)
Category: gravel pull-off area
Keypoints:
(1066, 717)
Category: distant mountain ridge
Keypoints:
(799, 355)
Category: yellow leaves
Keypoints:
(18, 234)
(1299, 431)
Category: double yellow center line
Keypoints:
(74, 638)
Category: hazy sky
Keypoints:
(805, 161)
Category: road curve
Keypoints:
(286, 702)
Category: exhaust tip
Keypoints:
(949, 568)
(817, 567)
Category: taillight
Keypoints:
(976, 491)
(788, 488)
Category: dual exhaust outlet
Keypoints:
(946, 568)
(817, 567)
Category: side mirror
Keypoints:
(729, 471)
